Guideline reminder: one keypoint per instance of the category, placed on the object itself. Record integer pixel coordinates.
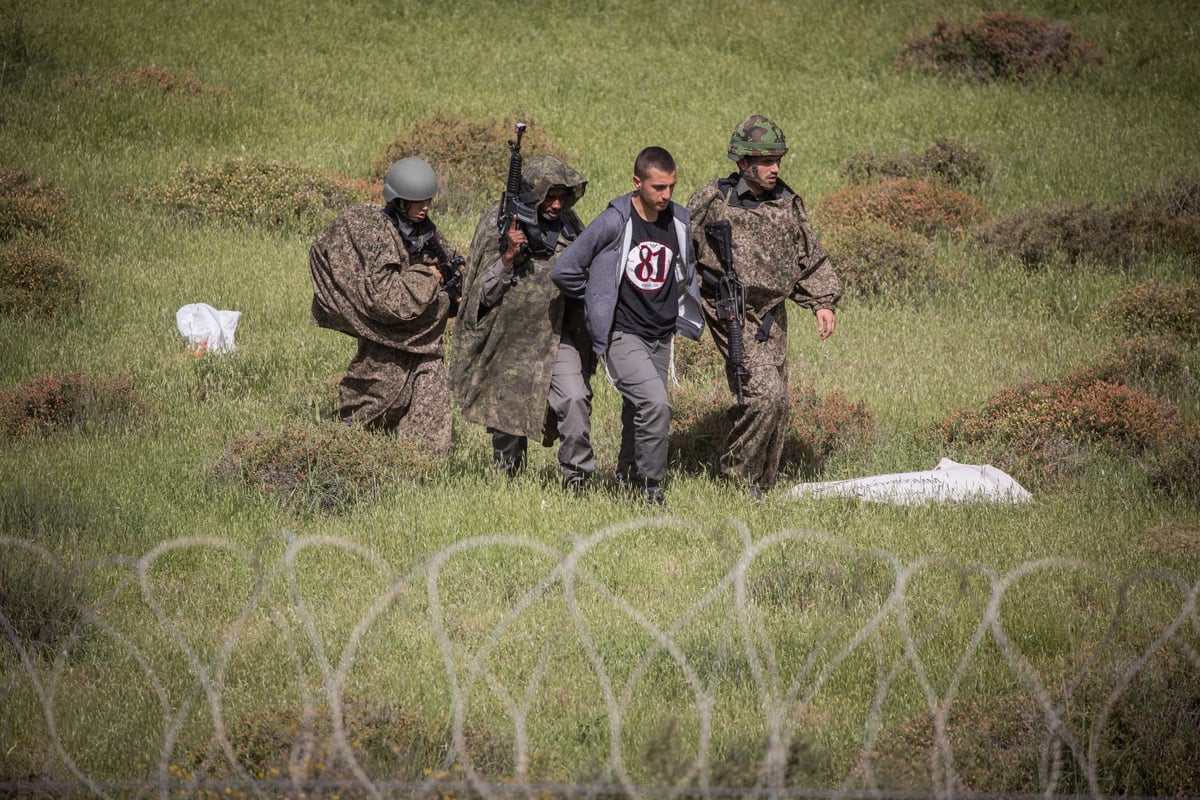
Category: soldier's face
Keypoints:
(655, 189)
(761, 170)
(556, 200)
(416, 210)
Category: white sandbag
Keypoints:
(949, 480)
(206, 329)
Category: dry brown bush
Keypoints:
(469, 155)
(1001, 46)
(29, 205)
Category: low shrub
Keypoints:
(41, 600)
(323, 468)
(35, 279)
(271, 194)
(1065, 234)
(1043, 432)
(907, 204)
(946, 161)
(1001, 46)
(158, 80)
(1166, 218)
(470, 157)
(22, 51)
(699, 425)
(1163, 220)
(55, 401)
(697, 360)
(873, 258)
(29, 205)
(1142, 361)
(1153, 729)
(282, 742)
(994, 741)
(1147, 743)
(1153, 307)
(821, 426)
(818, 427)
(1174, 467)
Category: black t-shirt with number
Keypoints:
(648, 302)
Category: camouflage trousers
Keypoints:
(569, 417)
(392, 390)
(754, 447)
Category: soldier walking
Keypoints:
(521, 360)
(777, 256)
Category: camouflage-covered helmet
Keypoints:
(756, 135)
(409, 179)
(541, 172)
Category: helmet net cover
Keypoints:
(756, 135)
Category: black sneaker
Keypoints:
(575, 485)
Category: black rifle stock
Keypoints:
(731, 301)
(451, 268)
(513, 208)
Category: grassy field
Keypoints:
(461, 627)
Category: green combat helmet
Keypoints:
(756, 135)
(409, 179)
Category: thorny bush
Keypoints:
(697, 359)
(1043, 432)
(271, 194)
(818, 426)
(903, 203)
(323, 468)
(1001, 46)
(1154, 307)
(159, 80)
(55, 401)
(285, 741)
(874, 258)
(1068, 233)
(29, 205)
(1146, 737)
(1162, 220)
(946, 161)
(42, 600)
(35, 279)
(470, 157)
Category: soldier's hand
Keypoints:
(825, 322)
(516, 240)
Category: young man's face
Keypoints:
(416, 210)
(557, 198)
(762, 171)
(654, 190)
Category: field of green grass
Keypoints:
(463, 628)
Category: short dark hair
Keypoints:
(653, 158)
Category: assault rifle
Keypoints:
(731, 301)
(514, 208)
(451, 268)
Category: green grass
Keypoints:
(331, 84)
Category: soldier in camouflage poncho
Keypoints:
(521, 360)
(776, 255)
(377, 276)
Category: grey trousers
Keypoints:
(637, 369)
(570, 401)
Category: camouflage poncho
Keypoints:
(367, 285)
(502, 358)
